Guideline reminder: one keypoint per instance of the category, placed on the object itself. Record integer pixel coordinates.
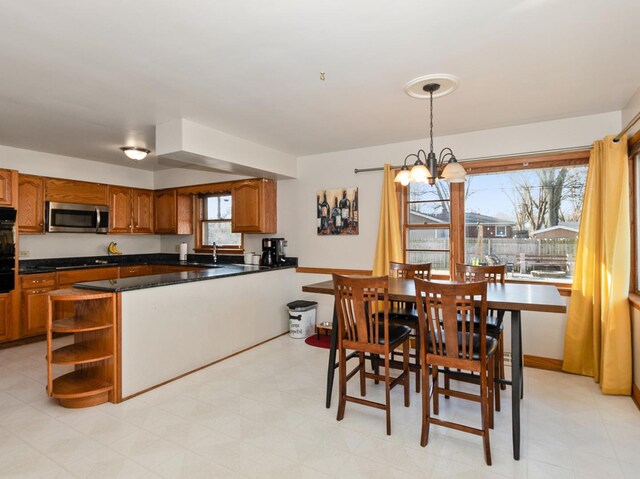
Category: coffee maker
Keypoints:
(273, 251)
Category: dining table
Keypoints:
(513, 297)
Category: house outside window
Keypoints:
(215, 223)
(522, 214)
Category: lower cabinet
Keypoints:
(33, 311)
(92, 353)
(6, 317)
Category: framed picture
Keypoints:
(337, 211)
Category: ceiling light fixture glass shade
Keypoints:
(135, 153)
(427, 168)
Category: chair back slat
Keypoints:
(361, 304)
(439, 307)
(409, 270)
(491, 274)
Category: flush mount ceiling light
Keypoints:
(135, 153)
(427, 168)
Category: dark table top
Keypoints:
(507, 296)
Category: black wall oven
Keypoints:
(7, 249)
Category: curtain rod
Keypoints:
(530, 153)
(633, 121)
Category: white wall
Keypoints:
(630, 110)
(297, 203)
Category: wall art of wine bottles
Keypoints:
(338, 211)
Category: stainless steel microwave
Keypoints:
(76, 218)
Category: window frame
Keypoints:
(457, 192)
(200, 211)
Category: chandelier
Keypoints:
(428, 168)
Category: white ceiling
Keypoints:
(84, 78)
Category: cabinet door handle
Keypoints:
(37, 291)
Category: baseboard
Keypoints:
(635, 395)
(539, 362)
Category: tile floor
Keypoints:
(261, 415)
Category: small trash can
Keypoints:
(302, 318)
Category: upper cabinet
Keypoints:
(173, 212)
(71, 191)
(30, 204)
(143, 212)
(8, 181)
(254, 206)
(131, 210)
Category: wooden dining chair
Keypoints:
(363, 326)
(495, 317)
(402, 312)
(468, 349)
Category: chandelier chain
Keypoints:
(431, 118)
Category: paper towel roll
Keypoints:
(183, 251)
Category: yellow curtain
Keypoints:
(389, 244)
(598, 336)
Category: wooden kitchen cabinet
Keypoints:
(254, 206)
(67, 278)
(8, 181)
(131, 210)
(142, 209)
(34, 303)
(7, 318)
(30, 204)
(173, 212)
(93, 352)
(72, 191)
(138, 270)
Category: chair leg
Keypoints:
(436, 390)
(501, 362)
(447, 381)
(387, 393)
(491, 388)
(406, 371)
(484, 408)
(363, 387)
(342, 366)
(499, 370)
(426, 403)
(418, 360)
(375, 365)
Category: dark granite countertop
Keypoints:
(51, 265)
(153, 281)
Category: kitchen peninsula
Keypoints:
(171, 324)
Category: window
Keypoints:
(541, 209)
(215, 222)
(427, 225)
(521, 212)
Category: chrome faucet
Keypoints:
(214, 250)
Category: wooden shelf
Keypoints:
(78, 384)
(80, 353)
(74, 325)
(93, 352)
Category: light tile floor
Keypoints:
(261, 414)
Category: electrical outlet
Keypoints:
(24, 253)
(177, 248)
